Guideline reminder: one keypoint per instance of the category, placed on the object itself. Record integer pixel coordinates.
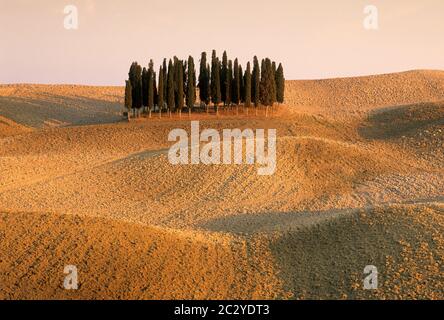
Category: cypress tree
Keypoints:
(241, 85)
(228, 82)
(156, 95)
(236, 83)
(215, 80)
(145, 78)
(151, 76)
(272, 79)
(138, 89)
(165, 80)
(267, 84)
(262, 86)
(184, 74)
(191, 83)
(128, 97)
(280, 84)
(273, 76)
(161, 90)
(255, 83)
(224, 78)
(204, 80)
(179, 84)
(247, 87)
(135, 77)
(170, 85)
(208, 74)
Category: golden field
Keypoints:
(359, 181)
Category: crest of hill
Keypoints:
(367, 92)
(39, 106)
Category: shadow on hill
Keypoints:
(250, 224)
(59, 110)
(322, 255)
(408, 120)
(327, 261)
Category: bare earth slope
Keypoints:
(359, 181)
(52, 106)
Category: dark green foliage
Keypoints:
(273, 74)
(223, 78)
(179, 85)
(223, 82)
(247, 87)
(215, 79)
(241, 85)
(145, 87)
(255, 82)
(151, 77)
(280, 84)
(156, 95)
(170, 85)
(135, 77)
(267, 84)
(235, 97)
(128, 95)
(165, 79)
(204, 80)
(161, 89)
(191, 83)
(228, 82)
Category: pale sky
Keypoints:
(312, 38)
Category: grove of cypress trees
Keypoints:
(128, 97)
(191, 84)
(223, 82)
(247, 87)
(170, 85)
(280, 84)
(161, 91)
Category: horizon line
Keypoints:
(306, 79)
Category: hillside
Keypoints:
(359, 181)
